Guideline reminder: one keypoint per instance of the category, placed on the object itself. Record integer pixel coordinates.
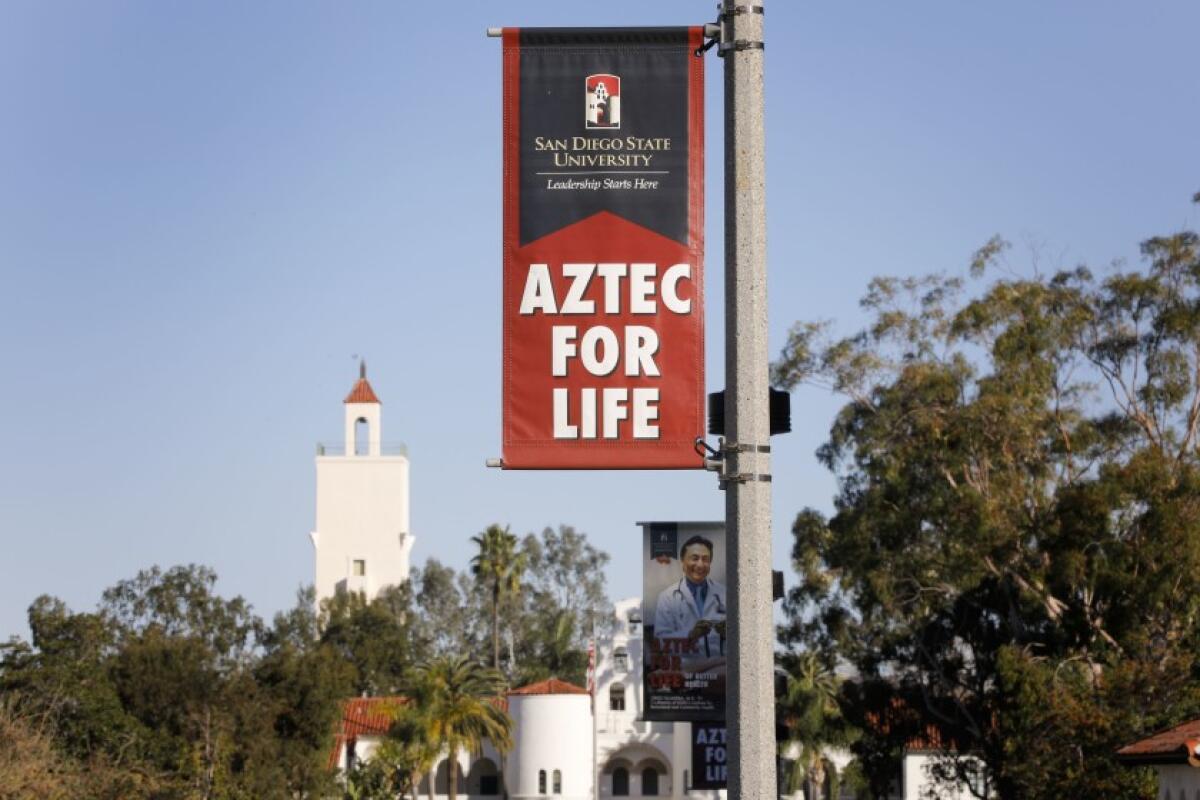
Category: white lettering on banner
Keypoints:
(538, 294)
(593, 340)
(612, 274)
(670, 293)
(562, 347)
(562, 430)
(641, 288)
(641, 343)
(614, 408)
(580, 275)
(601, 350)
(604, 412)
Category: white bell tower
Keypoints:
(362, 540)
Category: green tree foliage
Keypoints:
(30, 765)
(451, 611)
(1014, 558)
(810, 711)
(409, 750)
(565, 587)
(303, 681)
(499, 566)
(376, 637)
(169, 690)
(455, 702)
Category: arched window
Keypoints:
(441, 782)
(616, 697)
(621, 659)
(620, 782)
(558, 781)
(541, 781)
(484, 778)
(362, 436)
(650, 781)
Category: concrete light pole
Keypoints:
(750, 689)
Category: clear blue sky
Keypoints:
(207, 208)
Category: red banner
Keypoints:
(603, 248)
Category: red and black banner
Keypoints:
(603, 248)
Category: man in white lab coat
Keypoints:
(694, 607)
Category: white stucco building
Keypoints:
(571, 745)
(633, 757)
(362, 539)
(1175, 756)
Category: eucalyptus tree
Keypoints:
(1015, 548)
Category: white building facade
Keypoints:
(361, 541)
(635, 758)
(1174, 754)
(569, 744)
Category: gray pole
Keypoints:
(751, 709)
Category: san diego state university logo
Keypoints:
(603, 101)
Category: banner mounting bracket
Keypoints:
(715, 460)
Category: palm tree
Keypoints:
(500, 565)
(813, 718)
(557, 655)
(408, 748)
(457, 701)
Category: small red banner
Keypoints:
(603, 248)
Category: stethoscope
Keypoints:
(720, 610)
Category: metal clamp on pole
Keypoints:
(715, 460)
(726, 14)
(744, 477)
(740, 45)
(734, 447)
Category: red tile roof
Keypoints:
(926, 736)
(362, 716)
(372, 716)
(362, 393)
(551, 686)
(1178, 745)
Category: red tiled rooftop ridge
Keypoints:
(362, 391)
(1174, 744)
(369, 716)
(362, 716)
(550, 686)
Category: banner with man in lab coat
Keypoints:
(683, 611)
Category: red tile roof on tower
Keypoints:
(362, 393)
(551, 686)
(1178, 745)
